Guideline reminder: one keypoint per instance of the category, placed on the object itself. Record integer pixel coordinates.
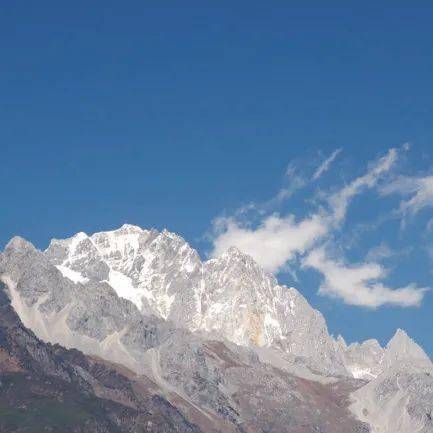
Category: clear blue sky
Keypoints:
(116, 112)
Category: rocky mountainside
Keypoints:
(230, 297)
(399, 395)
(45, 388)
(224, 343)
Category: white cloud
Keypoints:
(419, 191)
(325, 165)
(360, 284)
(275, 241)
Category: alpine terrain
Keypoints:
(129, 331)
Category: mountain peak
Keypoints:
(234, 253)
(400, 340)
(341, 342)
(402, 348)
(19, 243)
(130, 227)
(399, 336)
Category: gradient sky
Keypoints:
(178, 117)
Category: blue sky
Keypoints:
(187, 117)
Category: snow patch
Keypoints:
(361, 373)
(72, 275)
(124, 288)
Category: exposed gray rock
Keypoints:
(399, 400)
(363, 360)
(46, 388)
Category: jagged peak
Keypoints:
(19, 243)
(234, 257)
(168, 234)
(122, 230)
(237, 254)
(371, 342)
(402, 347)
(399, 337)
(77, 237)
(81, 236)
(235, 251)
(130, 227)
(173, 241)
(341, 341)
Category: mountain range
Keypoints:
(130, 331)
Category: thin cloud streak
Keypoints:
(340, 201)
(325, 166)
(277, 239)
(419, 191)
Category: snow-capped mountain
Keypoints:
(230, 297)
(209, 332)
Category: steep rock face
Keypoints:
(363, 360)
(244, 304)
(231, 297)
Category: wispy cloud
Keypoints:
(294, 180)
(379, 253)
(277, 239)
(326, 164)
(360, 284)
(418, 190)
(341, 199)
